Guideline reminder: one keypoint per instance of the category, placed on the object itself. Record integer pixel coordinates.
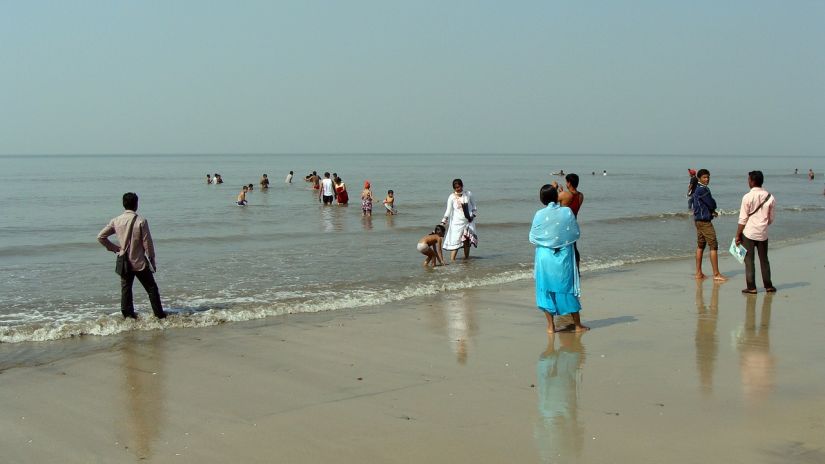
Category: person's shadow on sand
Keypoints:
(565, 323)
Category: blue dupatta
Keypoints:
(554, 231)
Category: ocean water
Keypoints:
(285, 253)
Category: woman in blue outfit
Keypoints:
(554, 231)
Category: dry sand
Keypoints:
(673, 371)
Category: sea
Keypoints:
(285, 253)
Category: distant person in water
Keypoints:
(795, 172)
(327, 190)
(314, 180)
(430, 246)
(389, 202)
(692, 183)
(341, 194)
(288, 179)
(554, 231)
(366, 200)
(264, 182)
(208, 179)
(136, 242)
(604, 173)
(811, 174)
(242, 196)
(218, 179)
(704, 211)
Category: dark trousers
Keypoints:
(764, 264)
(148, 281)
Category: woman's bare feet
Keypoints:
(719, 278)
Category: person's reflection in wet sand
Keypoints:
(460, 326)
(142, 356)
(559, 435)
(707, 343)
(756, 364)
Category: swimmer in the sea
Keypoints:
(242, 196)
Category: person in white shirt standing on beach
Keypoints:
(755, 215)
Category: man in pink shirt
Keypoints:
(141, 255)
(755, 215)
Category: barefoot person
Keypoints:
(136, 242)
(430, 246)
(554, 231)
(460, 215)
(704, 210)
(755, 215)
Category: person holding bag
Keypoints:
(136, 256)
(755, 215)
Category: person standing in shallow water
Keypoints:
(704, 211)
(341, 194)
(460, 215)
(141, 255)
(554, 231)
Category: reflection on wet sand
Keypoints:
(707, 343)
(458, 316)
(142, 356)
(559, 435)
(756, 364)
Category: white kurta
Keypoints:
(457, 223)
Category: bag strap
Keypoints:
(128, 240)
(760, 205)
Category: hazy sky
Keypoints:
(306, 76)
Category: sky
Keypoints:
(384, 76)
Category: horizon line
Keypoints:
(374, 153)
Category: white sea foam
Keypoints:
(232, 311)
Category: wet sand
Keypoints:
(672, 371)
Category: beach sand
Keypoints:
(673, 371)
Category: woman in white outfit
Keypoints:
(460, 219)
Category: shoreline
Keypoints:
(673, 370)
(29, 353)
(76, 334)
